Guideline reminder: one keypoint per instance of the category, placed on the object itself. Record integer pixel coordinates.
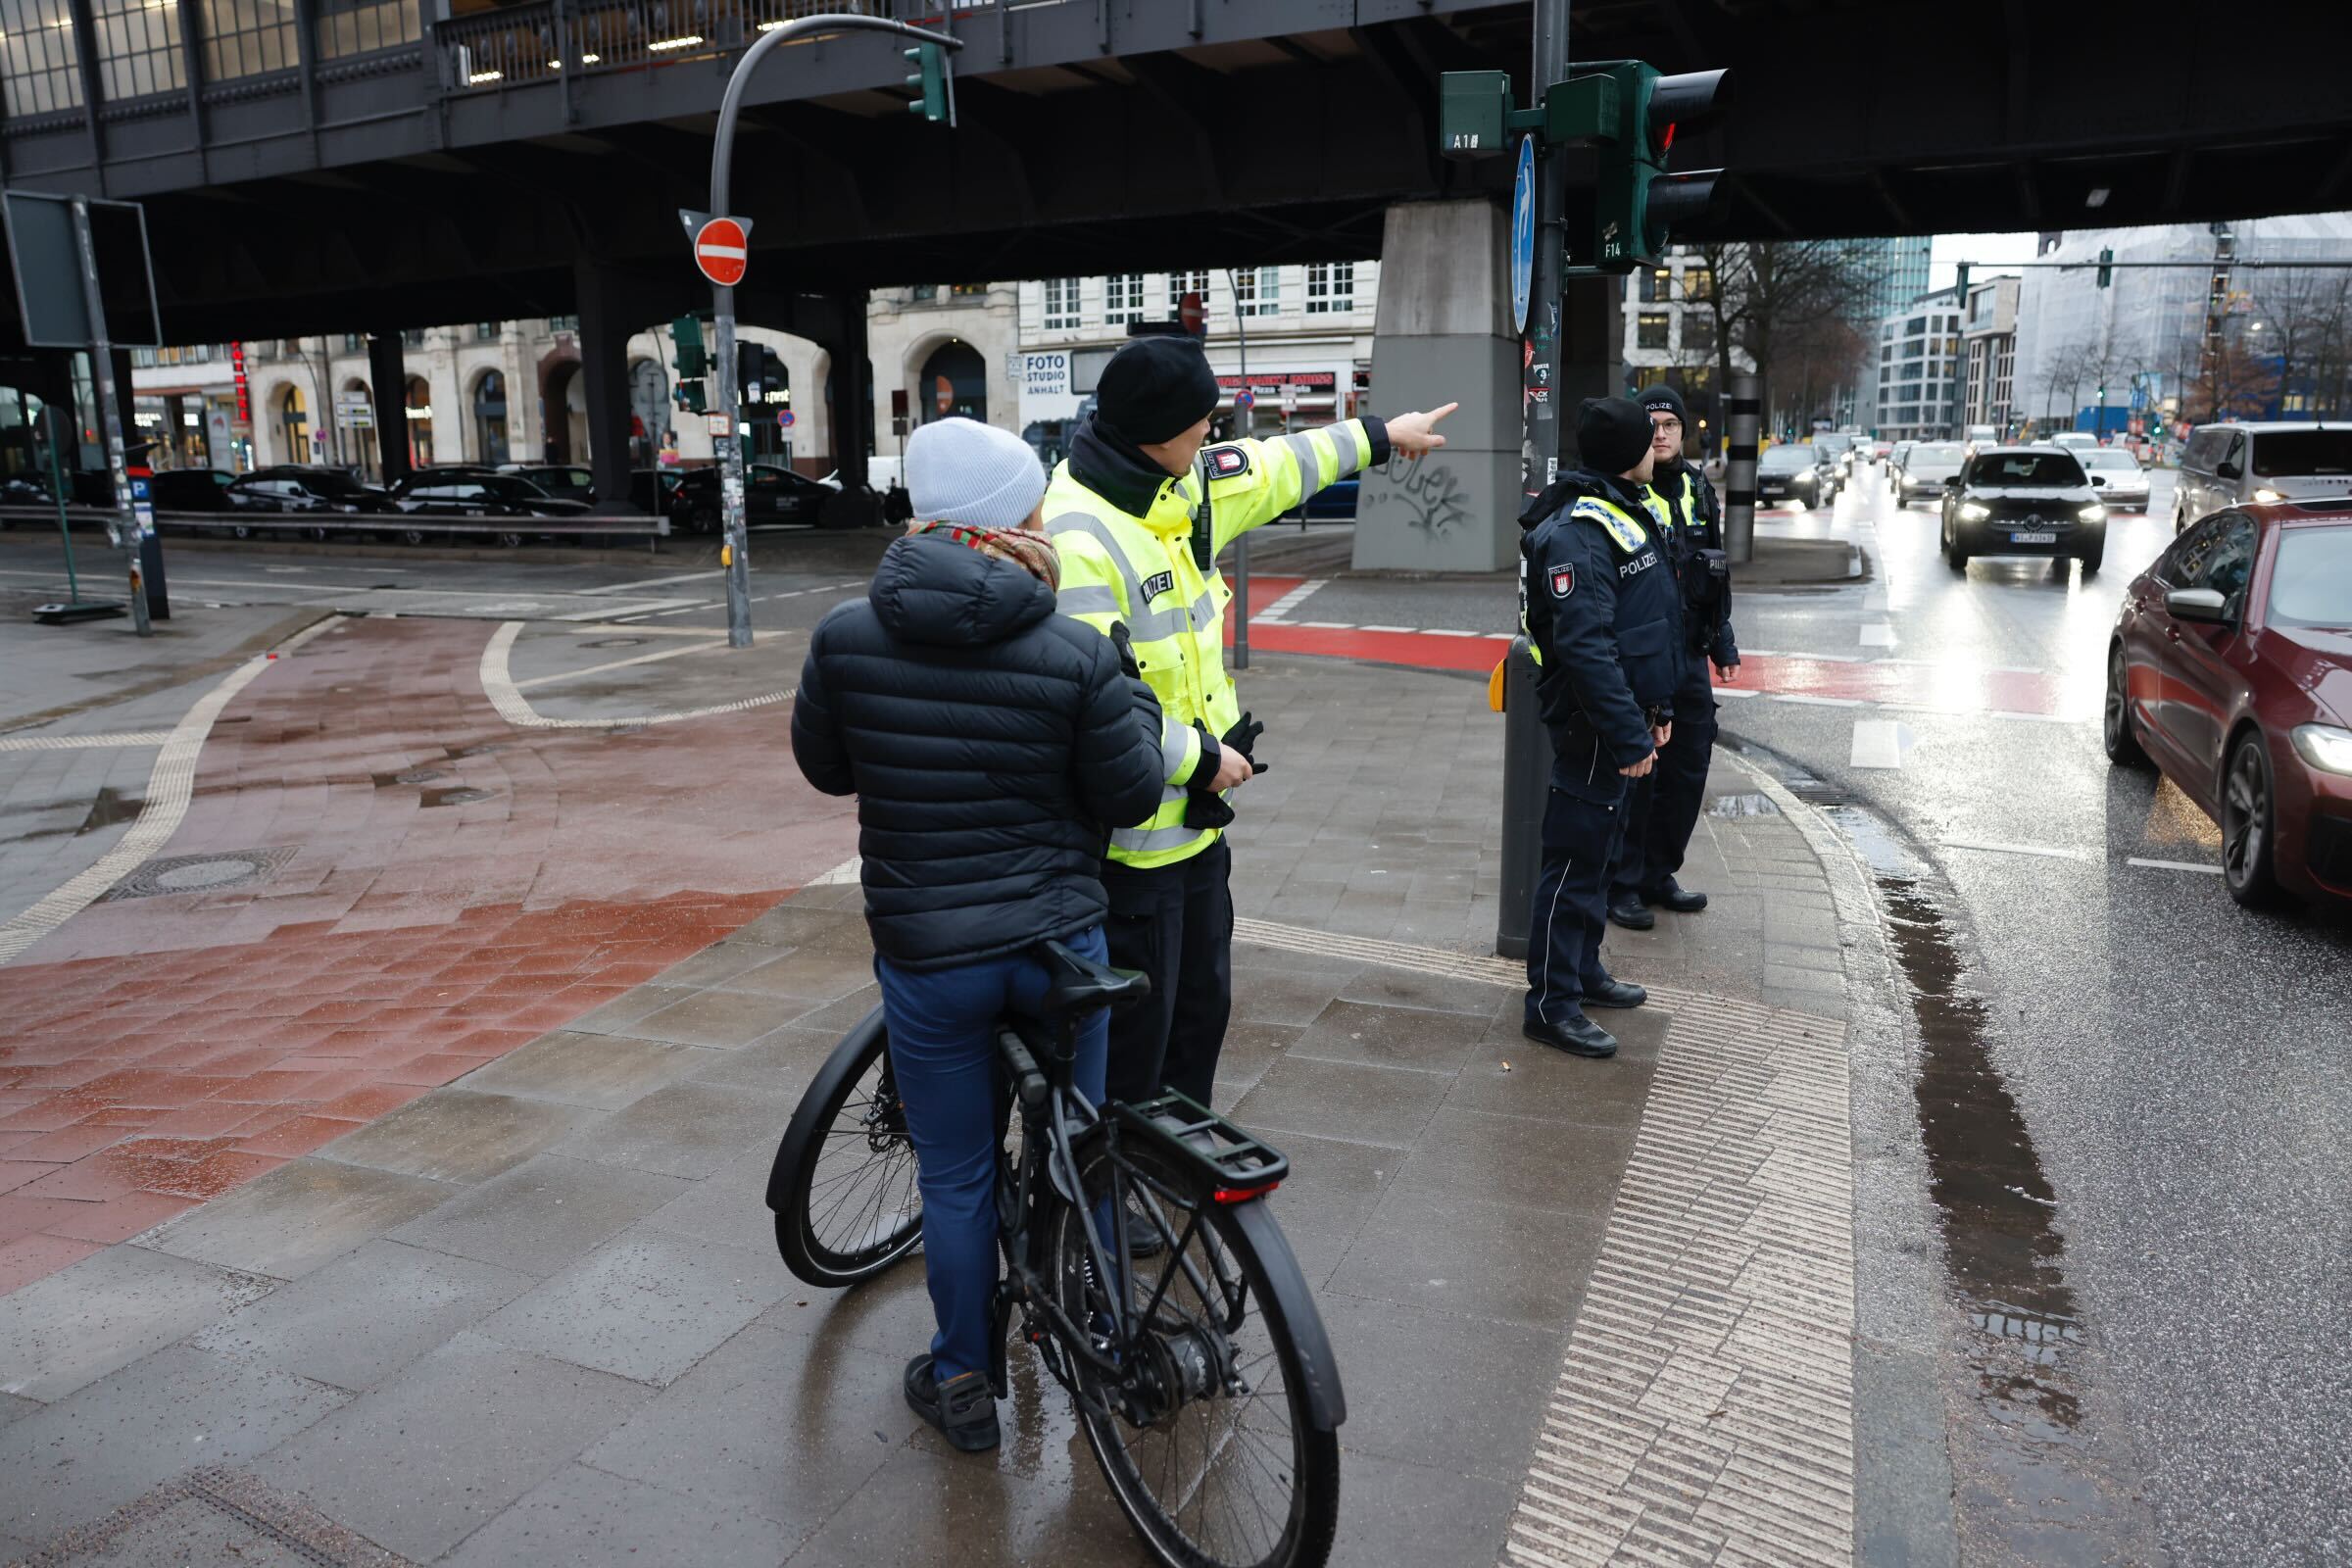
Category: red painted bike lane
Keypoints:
(441, 889)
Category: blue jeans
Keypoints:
(943, 1050)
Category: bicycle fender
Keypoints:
(852, 1045)
(1326, 1404)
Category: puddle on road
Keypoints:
(110, 808)
(2004, 1259)
(458, 796)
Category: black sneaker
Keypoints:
(965, 1410)
(1631, 914)
(1576, 1035)
(1671, 894)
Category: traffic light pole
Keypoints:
(1541, 348)
(734, 553)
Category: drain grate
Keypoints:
(214, 872)
(216, 1516)
(618, 642)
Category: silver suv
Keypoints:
(2225, 465)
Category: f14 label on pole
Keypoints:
(721, 246)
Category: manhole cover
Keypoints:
(617, 642)
(198, 873)
(216, 1516)
(460, 796)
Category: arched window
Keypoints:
(490, 416)
(294, 425)
(419, 413)
(954, 381)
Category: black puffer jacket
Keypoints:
(988, 740)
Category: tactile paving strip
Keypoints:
(214, 1515)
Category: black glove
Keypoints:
(1125, 643)
(1202, 805)
(1242, 738)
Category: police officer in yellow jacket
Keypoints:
(1138, 514)
(1598, 600)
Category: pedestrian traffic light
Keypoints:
(2106, 267)
(929, 80)
(1633, 113)
(687, 333)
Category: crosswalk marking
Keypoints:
(1878, 743)
(1877, 634)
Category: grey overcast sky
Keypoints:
(1988, 253)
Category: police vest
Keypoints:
(1623, 531)
(1146, 572)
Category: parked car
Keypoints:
(2023, 501)
(2230, 670)
(563, 480)
(295, 487)
(770, 494)
(1925, 465)
(498, 498)
(1334, 501)
(2225, 465)
(1789, 472)
(2121, 481)
(171, 490)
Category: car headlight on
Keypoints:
(1974, 512)
(2267, 495)
(2094, 513)
(2325, 747)
(1806, 478)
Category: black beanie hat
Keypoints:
(1663, 399)
(1157, 388)
(1611, 434)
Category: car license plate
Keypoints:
(2032, 538)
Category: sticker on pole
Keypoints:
(1523, 233)
(721, 250)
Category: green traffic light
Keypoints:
(930, 82)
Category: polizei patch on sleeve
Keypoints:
(1228, 463)
(1563, 581)
(1156, 584)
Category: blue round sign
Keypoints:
(1523, 233)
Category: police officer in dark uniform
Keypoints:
(1661, 810)
(1597, 603)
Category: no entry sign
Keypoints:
(721, 250)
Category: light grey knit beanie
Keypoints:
(961, 471)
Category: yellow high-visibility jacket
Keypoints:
(1137, 567)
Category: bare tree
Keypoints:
(2303, 318)
(1779, 301)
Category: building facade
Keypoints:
(1988, 343)
(1670, 337)
(1301, 333)
(1918, 359)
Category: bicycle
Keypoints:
(1178, 1360)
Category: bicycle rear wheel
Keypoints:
(1225, 1465)
(844, 1184)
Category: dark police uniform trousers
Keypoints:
(1662, 809)
(1600, 605)
(1175, 923)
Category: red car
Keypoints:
(2231, 670)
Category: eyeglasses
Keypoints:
(1669, 425)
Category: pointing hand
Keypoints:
(1416, 436)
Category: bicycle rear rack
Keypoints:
(1235, 1167)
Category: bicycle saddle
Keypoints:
(1081, 985)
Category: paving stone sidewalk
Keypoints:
(536, 1314)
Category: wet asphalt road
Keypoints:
(2151, 1356)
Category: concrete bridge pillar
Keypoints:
(388, 378)
(607, 317)
(1443, 333)
(852, 413)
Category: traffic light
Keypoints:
(689, 396)
(1633, 114)
(1963, 293)
(687, 333)
(2106, 267)
(929, 80)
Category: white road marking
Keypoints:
(846, 872)
(2039, 718)
(2050, 852)
(1816, 701)
(1737, 693)
(169, 786)
(1407, 629)
(1281, 609)
(1327, 625)
(515, 708)
(2173, 866)
(658, 582)
(74, 743)
(655, 657)
(1877, 634)
(1878, 743)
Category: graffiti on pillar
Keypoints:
(1433, 499)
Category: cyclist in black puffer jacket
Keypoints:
(991, 744)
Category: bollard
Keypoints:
(1525, 787)
(1744, 409)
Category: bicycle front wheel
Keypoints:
(1219, 1461)
(844, 1184)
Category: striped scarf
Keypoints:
(1033, 553)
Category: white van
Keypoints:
(2225, 465)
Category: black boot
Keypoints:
(1615, 992)
(1576, 1034)
(965, 1411)
(1631, 914)
(1671, 894)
